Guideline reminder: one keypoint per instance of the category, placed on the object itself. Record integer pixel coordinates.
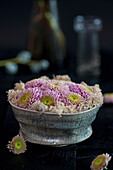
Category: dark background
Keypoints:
(15, 18)
(15, 15)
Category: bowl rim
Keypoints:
(55, 114)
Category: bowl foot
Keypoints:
(68, 138)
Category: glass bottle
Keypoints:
(87, 53)
(45, 38)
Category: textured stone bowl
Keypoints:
(51, 129)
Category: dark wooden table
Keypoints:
(38, 157)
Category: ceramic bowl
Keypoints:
(54, 130)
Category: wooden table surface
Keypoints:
(39, 157)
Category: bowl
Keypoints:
(53, 129)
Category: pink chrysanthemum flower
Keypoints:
(100, 162)
(80, 89)
(108, 98)
(31, 83)
(28, 96)
(17, 145)
(39, 83)
(57, 85)
(49, 97)
(69, 98)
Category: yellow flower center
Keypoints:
(55, 84)
(18, 145)
(74, 98)
(98, 161)
(24, 99)
(47, 100)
